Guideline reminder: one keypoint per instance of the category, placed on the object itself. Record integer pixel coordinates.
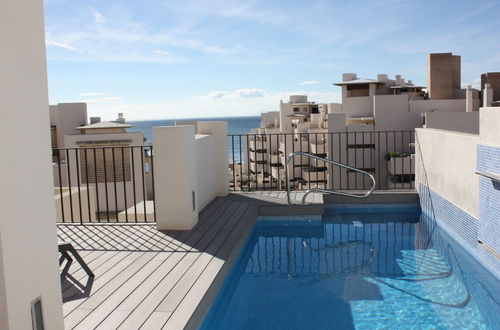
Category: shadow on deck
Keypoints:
(145, 278)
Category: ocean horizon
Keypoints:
(235, 125)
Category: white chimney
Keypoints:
(487, 96)
(468, 99)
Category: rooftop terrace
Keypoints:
(145, 278)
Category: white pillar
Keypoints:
(175, 177)
(218, 129)
(487, 96)
(28, 233)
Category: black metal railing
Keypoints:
(257, 161)
(104, 184)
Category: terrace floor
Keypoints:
(150, 279)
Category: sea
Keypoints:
(235, 125)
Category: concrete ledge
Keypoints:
(377, 197)
(203, 307)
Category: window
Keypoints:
(296, 109)
(104, 164)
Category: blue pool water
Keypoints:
(355, 268)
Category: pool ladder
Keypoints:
(326, 191)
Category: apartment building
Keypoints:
(376, 119)
(101, 158)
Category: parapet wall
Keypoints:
(190, 170)
(456, 179)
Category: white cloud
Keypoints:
(213, 95)
(98, 18)
(310, 82)
(249, 92)
(239, 93)
(476, 83)
(60, 45)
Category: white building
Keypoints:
(355, 132)
(98, 164)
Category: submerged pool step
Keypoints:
(372, 213)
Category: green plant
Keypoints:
(392, 154)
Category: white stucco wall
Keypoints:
(467, 122)
(446, 162)
(175, 177)
(447, 105)
(67, 116)
(27, 226)
(490, 126)
(358, 106)
(391, 113)
(205, 168)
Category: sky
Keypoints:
(169, 59)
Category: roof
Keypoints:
(104, 124)
(406, 86)
(360, 81)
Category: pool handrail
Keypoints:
(327, 191)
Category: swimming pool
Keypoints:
(355, 267)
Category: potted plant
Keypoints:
(399, 163)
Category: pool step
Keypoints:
(372, 213)
(377, 197)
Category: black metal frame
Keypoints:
(118, 180)
(251, 155)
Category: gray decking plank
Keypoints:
(196, 302)
(182, 289)
(131, 291)
(152, 301)
(110, 302)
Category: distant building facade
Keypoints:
(368, 106)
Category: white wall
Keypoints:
(446, 163)
(187, 163)
(450, 105)
(68, 116)
(27, 226)
(358, 106)
(205, 167)
(467, 122)
(490, 126)
(391, 113)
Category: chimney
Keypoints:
(95, 120)
(468, 99)
(348, 77)
(120, 118)
(487, 95)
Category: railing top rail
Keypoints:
(319, 133)
(293, 154)
(102, 147)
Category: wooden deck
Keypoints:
(150, 279)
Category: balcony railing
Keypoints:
(257, 161)
(104, 184)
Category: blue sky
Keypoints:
(156, 59)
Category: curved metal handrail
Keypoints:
(293, 154)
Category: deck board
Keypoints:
(153, 279)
